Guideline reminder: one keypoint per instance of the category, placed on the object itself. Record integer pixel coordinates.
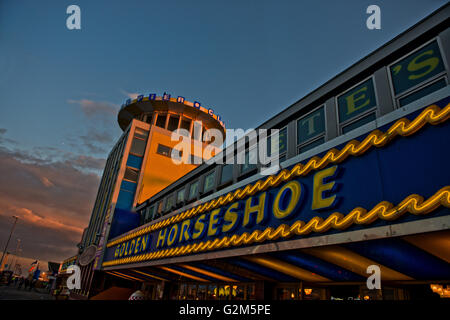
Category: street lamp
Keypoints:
(7, 242)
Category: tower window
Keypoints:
(161, 121)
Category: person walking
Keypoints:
(21, 282)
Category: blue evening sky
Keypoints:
(248, 60)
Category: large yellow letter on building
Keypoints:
(319, 187)
(353, 99)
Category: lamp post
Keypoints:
(7, 242)
(15, 257)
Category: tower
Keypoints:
(140, 165)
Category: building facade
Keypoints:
(363, 188)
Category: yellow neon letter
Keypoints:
(199, 227)
(138, 243)
(296, 191)
(184, 234)
(258, 209)
(213, 219)
(144, 242)
(319, 187)
(172, 235)
(230, 216)
(161, 238)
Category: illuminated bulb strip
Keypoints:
(207, 273)
(187, 275)
(403, 127)
(413, 204)
(148, 275)
(125, 276)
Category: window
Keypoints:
(138, 147)
(131, 174)
(173, 122)
(149, 119)
(359, 123)
(149, 213)
(410, 74)
(282, 143)
(251, 158)
(140, 133)
(159, 207)
(161, 120)
(197, 130)
(356, 104)
(311, 126)
(193, 190)
(226, 174)
(209, 181)
(416, 95)
(164, 150)
(180, 196)
(311, 130)
(170, 202)
(167, 151)
(185, 124)
(311, 145)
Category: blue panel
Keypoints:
(125, 200)
(122, 222)
(134, 161)
(318, 266)
(266, 272)
(403, 257)
(128, 186)
(220, 272)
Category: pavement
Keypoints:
(13, 293)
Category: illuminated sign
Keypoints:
(132, 247)
(380, 178)
(417, 67)
(179, 99)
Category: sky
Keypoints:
(60, 89)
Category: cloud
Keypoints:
(4, 140)
(130, 94)
(87, 162)
(93, 108)
(53, 200)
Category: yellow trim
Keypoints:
(115, 273)
(414, 204)
(187, 275)
(403, 127)
(148, 275)
(435, 243)
(287, 268)
(354, 262)
(207, 273)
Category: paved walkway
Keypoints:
(12, 293)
